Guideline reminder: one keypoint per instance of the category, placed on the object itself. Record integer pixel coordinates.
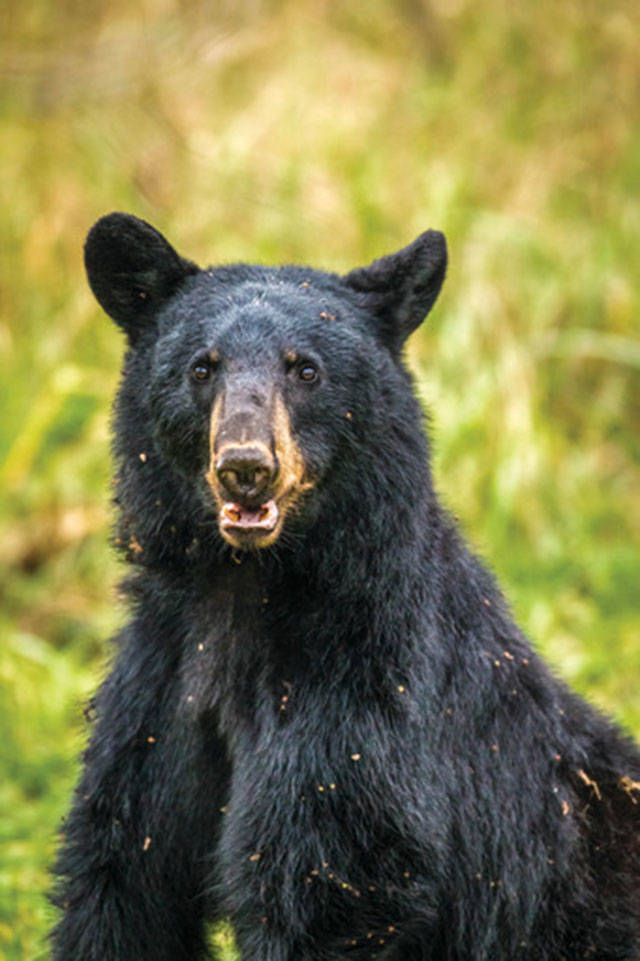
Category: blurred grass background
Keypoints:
(329, 133)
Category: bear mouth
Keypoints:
(239, 517)
(248, 527)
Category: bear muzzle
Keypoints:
(246, 471)
(256, 471)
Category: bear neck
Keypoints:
(372, 533)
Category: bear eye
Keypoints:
(307, 372)
(203, 367)
(201, 371)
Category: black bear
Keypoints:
(322, 722)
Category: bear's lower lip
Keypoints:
(237, 517)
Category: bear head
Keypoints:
(249, 390)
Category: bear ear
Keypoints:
(132, 270)
(399, 290)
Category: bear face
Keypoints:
(258, 382)
(250, 386)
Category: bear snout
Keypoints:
(246, 471)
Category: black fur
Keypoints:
(341, 742)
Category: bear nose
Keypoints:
(245, 472)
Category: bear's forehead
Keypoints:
(233, 308)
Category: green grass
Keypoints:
(323, 133)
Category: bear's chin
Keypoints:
(250, 540)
